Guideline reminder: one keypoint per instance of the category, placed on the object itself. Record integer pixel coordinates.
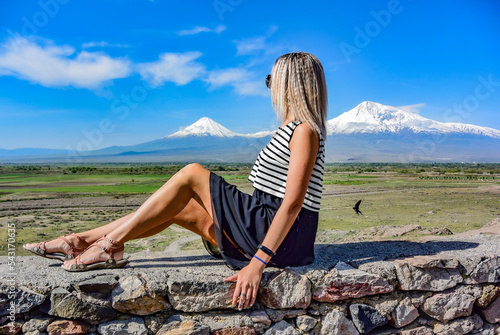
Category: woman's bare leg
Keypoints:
(89, 236)
(191, 182)
(193, 217)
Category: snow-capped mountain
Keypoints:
(370, 132)
(371, 117)
(206, 126)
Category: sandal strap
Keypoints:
(115, 247)
(71, 245)
(41, 246)
(80, 239)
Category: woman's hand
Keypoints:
(247, 284)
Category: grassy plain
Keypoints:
(48, 201)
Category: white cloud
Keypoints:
(240, 79)
(227, 76)
(251, 88)
(198, 29)
(103, 44)
(51, 66)
(179, 68)
(412, 108)
(252, 45)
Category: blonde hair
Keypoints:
(298, 88)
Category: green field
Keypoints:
(48, 201)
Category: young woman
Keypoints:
(275, 226)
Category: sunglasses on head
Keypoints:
(268, 81)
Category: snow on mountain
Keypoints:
(371, 117)
(206, 126)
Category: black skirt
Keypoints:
(241, 222)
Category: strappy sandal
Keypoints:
(110, 263)
(40, 249)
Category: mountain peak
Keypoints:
(204, 127)
(373, 117)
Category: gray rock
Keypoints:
(235, 331)
(193, 295)
(276, 315)
(492, 313)
(335, 323)
(133, 326)
(285, 289)
(323, 308)
(131, 296)
(74, 305)
(426, 279)
(282, 328)
(384, 303)
(157, 282)
(261, 321)
(448, 306)
(459, 326)
(24, 298)
(306, 323)
(386, 270)
(35, 332)
(418, 298)
(404, 314)
(473, 290)
(488, 271)
(489, 293)
(349, 283)
(260, 317)
(315, 275)
(155, 322)
(489, 329)
(467, 263)
(185, 327)
(218, 321)
(366, 318)
(418, 331)
(36, 324)
(440, 261)
(100, 286)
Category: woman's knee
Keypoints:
(191, 170)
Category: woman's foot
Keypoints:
(103, 253)
(62, 248)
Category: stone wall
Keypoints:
(438, 294)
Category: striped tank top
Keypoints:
(269, 172)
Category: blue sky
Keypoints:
(125, 72)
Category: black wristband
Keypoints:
(266, 250)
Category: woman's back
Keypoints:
(269, 173)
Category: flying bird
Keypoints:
(356, 208)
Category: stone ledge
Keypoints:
(391, 287)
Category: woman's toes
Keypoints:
(29, 245)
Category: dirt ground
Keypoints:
(393, 208)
